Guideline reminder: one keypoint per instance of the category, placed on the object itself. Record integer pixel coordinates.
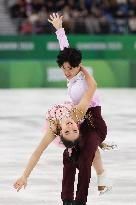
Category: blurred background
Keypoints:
(103, 29)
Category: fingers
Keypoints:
(51, 17)
(61, 17)
(18, 189)
(55, 16)
(19, 184)
(15, 185)
(49, 20)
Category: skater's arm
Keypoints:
(85, 100)
(47, 139)
(56, 21)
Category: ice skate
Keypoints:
(103, 187)
(104, 190)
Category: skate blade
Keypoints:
(106, 190)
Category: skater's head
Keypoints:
(69, 132)
(69, 60)
(69, 143)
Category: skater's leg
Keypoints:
(85, 161)
(97, 163)
(103, 187)
(69, 171)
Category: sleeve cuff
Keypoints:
(60, 31)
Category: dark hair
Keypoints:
(68, 143)
(75, 148)
(70, 55)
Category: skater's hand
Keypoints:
(56, 20)
(82, 68)
(20, 183)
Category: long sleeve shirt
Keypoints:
(77, 85)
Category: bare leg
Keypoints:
(97, 163)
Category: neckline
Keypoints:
(75, 77)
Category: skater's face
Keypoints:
(70, 130)
(69, 71)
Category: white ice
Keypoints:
(22, 119)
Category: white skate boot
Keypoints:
(102, 184)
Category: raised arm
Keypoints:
(86, 99)
(47, 139)
(56, 21)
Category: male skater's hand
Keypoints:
(56, 20)
(20, 183)
(82, 68)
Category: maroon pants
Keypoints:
(92, 137)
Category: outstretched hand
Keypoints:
(21, 182)
(56, 20)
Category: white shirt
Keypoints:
(76, 89)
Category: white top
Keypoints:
(76, 89)
(77, 85)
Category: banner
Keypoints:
(35, 74)
(46, 47)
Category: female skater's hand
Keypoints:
(20, 183)
(56, 20)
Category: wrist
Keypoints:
(57, 28)
(24, 176)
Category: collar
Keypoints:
(79, 76)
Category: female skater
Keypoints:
(67, 121)
(76, 88)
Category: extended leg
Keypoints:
(69, 171)
(85, 161)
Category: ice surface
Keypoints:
(22, 118)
